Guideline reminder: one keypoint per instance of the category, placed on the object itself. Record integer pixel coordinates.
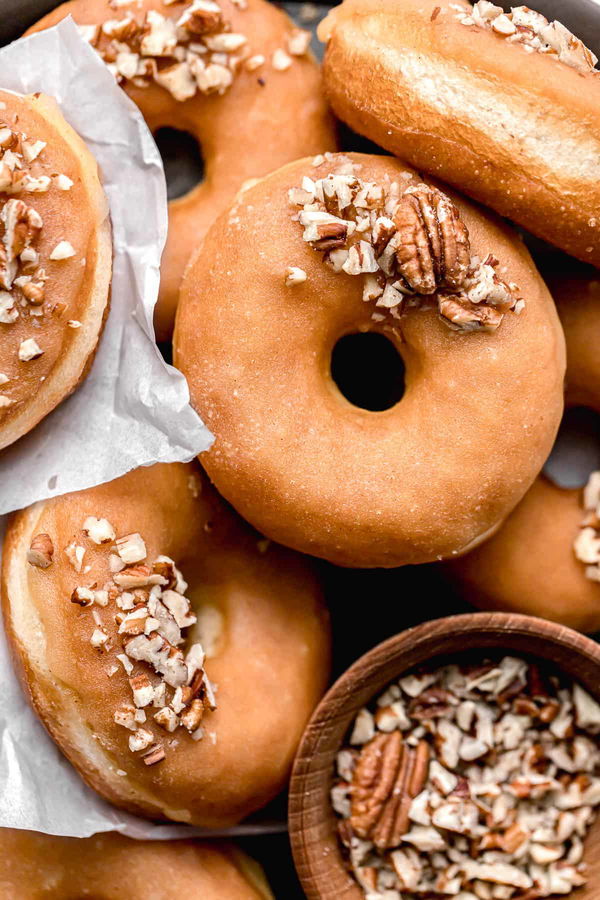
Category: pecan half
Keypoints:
(387, 777)
(434, 250)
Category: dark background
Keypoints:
(368, 606)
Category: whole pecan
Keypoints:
(388, 776)
(434, 249)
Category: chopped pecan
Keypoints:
(41, 551)
(431, 704)
(202, 17)
(468, 316)
(434, 249)
(154, 755)
(332, 235)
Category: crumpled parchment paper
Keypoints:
(132, 410)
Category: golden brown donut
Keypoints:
(259, 316)
(111, 867)
(270, 114)
(55, 261)
(260, 620)
(459, 95)
(530, 566)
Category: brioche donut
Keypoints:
(259, 105)
(544, 560)
(109, 866)
(111, 656)
(55, 261)
(440, 470)
(505, 107)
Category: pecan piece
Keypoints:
(387, 777)
(41, 551)
(332, 236)
(468, 316)
(434, 249)
(204, 17)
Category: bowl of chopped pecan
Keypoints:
(459, 758)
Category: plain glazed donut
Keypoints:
(100, 646)
(505, 107)
(261, 312)
(111, 867)
(531, 565)
(55, 261)
(271, 113)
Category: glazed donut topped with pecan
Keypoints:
(154, 688)
(504, 106)
(459, 299)
(55, 260)
(235, 74)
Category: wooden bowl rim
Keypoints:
(313, 765)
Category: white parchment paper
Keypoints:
(132, 409)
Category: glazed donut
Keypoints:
(109, 866)
(55, 261)
(532, 565)
(110, 652)
(439, 471)
(505, 107)
(256, 104)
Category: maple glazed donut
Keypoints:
(191, 713)
(545, 560)
(110, 866)
(504, 106)
(236, 74)
(460, 300)
(55, 261)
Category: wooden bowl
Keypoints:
(312, 822)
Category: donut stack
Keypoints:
(171, 629)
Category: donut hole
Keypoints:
(368, 371)
(576, 452)
(182, 159)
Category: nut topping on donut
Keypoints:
(192, 51)
(22, 277)
(477, 781)
(145, 615)
(409, 243)
(41, 551)
(434, 251)
(533, 32)
(587, 542)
